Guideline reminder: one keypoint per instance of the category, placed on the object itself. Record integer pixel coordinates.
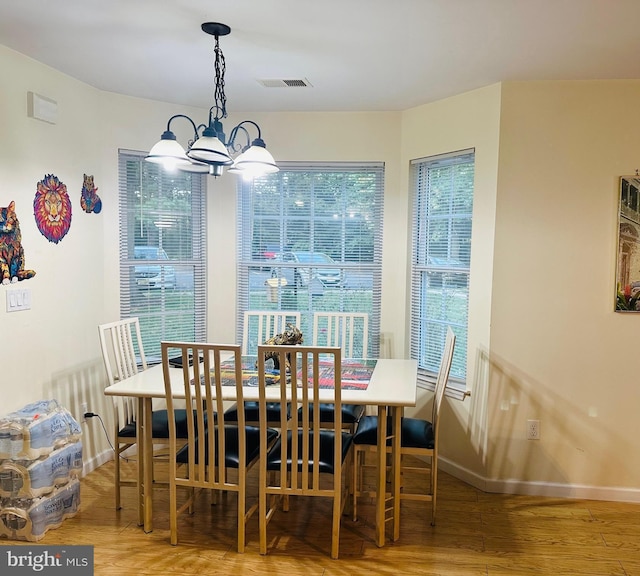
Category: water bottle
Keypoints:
(5, 443)
(16, 440)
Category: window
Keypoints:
(310, 240)
(441, 256)
(162, 252)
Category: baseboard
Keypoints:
(97, 461)
(550, 489)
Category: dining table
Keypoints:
(390, 388)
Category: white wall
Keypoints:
(50, 350)
(559, 353)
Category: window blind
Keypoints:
(441, 256)
(310, 239)
(162, 251)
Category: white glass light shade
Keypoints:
(210, 149)
(195, 167)
(255, 161)
(168, 153)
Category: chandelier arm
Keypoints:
(234, 133)
(231, 145)
(254, 125)
(195, 128)
(200, 129)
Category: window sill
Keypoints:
(455, 393)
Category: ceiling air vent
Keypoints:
(300, 83)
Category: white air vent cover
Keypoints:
(276, 83)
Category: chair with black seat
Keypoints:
(215, 447)
(350, 331)
(258, 327)
(307, 452)
(123, 355)
(418, 438)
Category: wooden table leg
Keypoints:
(396, 469)
(145, 465)
(381, 470)
(140, 448)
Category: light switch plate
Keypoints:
(18, 299)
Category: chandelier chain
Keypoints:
(219, 96)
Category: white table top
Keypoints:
(393, 383)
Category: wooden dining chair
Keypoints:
(307, 459)
(259, 326)
(418, 438)
(123, 356)
(350, 331)
(215, 448)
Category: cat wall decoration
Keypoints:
(11, 253)
(89, 199)
(52, 208)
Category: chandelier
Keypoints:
(209, 151)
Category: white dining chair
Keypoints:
(259, 326)
(349, 330)
(123, 356)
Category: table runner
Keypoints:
(355, 373)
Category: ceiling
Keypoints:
(369, 55)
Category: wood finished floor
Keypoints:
(476, 534)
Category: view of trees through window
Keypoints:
(310, 240)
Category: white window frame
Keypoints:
(440, 262)
(176, 311)
(369, 266)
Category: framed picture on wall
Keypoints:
(628, 263)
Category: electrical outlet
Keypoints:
(85, 408)
(533, 429)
